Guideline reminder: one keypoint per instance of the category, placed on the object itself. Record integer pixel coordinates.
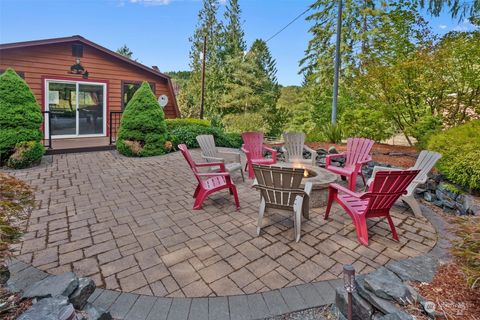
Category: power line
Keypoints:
(288, 24)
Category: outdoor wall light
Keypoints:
(349, 283)
(77, 68)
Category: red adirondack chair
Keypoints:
(357, 155)
(215, 181)
(385, 189)
(253, 148)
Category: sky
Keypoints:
(157, 31)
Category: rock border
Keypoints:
(131, 306)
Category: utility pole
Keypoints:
(337, 63)
(203, 76)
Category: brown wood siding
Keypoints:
(54, 60)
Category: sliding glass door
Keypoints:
(75, 108)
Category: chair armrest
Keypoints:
(369, 158)
(214, 174)
(329, 157)
(308, 188)
(230, 154)
(310, 150)
(272, 151)
(345, 190)
(211, 164)
(214, 159)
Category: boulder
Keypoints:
(321, 151)
(361, 308)
(428, 196)
(332, 150)
(421, 268)
(51, 286)
(91, 312)
(472, 205)
(54, 308)
(387, 285)
(383, 305)
(79, 297)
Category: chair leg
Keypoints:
(331, 196)
(352, 181)
(362, 230)
(413, 203)
(392, 227)
(243, 177)
(233, 190)
(196, 191)
(261, 212)
(297, 211)
(363, 179)
(250, 171)
(202, 195)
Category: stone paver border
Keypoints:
(123, 305)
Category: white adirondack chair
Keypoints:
(280, 188)
(294, 146)
(211, 153)
(425, 162)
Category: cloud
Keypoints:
(152, 2)
(442, 26)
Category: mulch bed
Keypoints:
(11, 305)
(380, 153)
(452, 297)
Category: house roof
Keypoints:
(77, 38)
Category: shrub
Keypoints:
(460, 149)
(366, 123)
(424, 128)
(333, 133)
(244, 122)
(188, 135)
(143, 131)
(20, 116)
(27, 153)
(173, 123)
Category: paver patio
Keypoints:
(128, 223)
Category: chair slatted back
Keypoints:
(207, 144)
(358, 149)
(294, 142)
(278, 186)
(253, 142)
(425, 162)
(387, 187)
(186, 154)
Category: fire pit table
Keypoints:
(319, 177)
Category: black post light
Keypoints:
(349, 283)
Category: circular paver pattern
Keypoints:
(128, 223)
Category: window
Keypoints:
(129, 88)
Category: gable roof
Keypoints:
(77, 38)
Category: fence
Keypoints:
(115, 117)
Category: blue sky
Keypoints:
(157, 31)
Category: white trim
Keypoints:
(77, 126)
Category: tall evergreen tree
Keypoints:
(207, 26)
(233, 32)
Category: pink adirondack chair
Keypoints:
(357, 154)
(215, 181)
(385, 189)
(253, 148)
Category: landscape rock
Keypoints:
(91, 312)
(428, 196)
(51, 286)
(79, 297)
(386, 284)
(385, 306)
(55, 308)
(321, 151)
(361, 308)
(332, 150)
(421, 268)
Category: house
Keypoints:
(82, 88)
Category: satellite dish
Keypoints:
(163, 100)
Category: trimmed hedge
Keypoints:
(460, 149)
(174, 123)
(143, 131)
(187, 134)
(27, 154)
(20, 116)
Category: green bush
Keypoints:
(20, 116)
(424, 128)
(333, 133)
(243, 122)
(143, 131)
(460, 149)
(366, 123)
(173, 123)
(27, 153)
(188, 135)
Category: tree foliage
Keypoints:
(125, 51)
(20, 116)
